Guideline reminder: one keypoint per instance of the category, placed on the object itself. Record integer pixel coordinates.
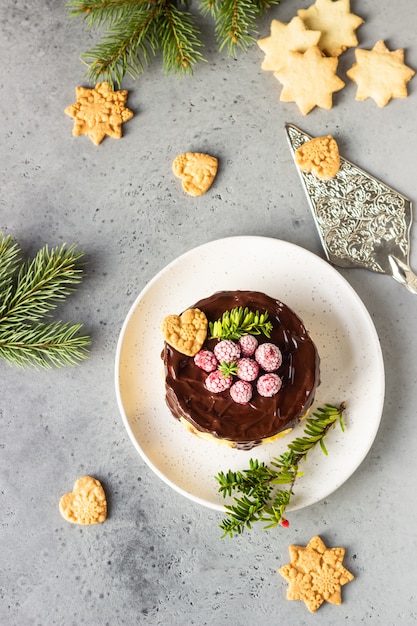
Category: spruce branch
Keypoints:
(40, 284)
(29, 292)
(136, 29)
(126, 47)
(9, 259)
(235, 21)
(180, 40)
(262, 501)
(43, 345)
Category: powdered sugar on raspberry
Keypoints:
(206, 360)
(248, 345)
(268, 385)
(216, 382)
(247, 369)
(241, 392)
(245, 360)
(269, 356)
(227, 351)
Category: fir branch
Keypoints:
(238, 322)
(261, 500)
(44, 345)
(41, 284)
(29, 292)
(98, 13)
(134, 29)
(234, 19)
(126, 47)
(9, 259)
(180, 40)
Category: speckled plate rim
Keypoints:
(352, 368)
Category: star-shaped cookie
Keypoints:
(316, 574)
(309, 79)
(99, 112)
(336, 23)
(380, 74)
(285, 37)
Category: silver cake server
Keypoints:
(361, 221)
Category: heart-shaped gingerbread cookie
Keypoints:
(86, 504)
(186, 332)
(196, 170)
(320, 156)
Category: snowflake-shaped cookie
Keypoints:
(99, 112)
(316, 574)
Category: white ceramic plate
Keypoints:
(352, 368)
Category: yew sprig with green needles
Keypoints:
(262, 498)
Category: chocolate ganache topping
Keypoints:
(246, 425)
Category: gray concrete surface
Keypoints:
(159, 559)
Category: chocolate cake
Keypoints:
(245, 423)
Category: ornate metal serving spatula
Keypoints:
(361, 221)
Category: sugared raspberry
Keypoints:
(216, 382)
(268, 385)
(227, 351)
(241, 391)
(247, 369)
(248, 345)
(206, 360)
(268, 356)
